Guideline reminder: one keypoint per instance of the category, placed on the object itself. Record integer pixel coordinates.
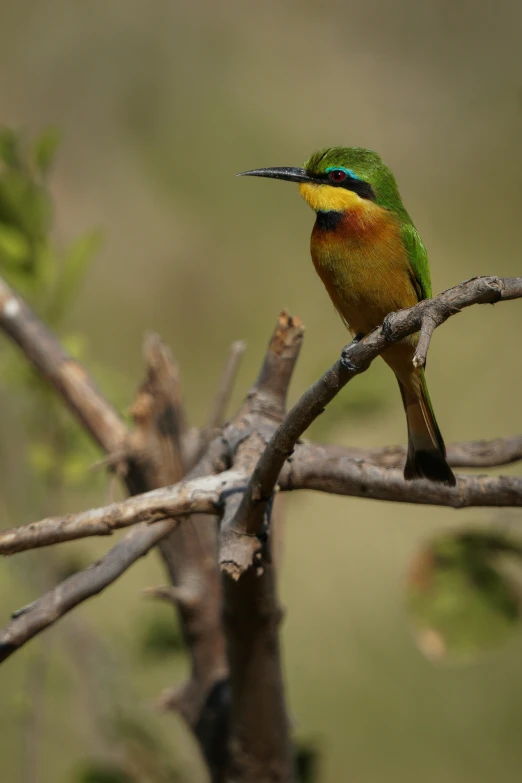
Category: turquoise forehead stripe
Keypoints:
(341, 168)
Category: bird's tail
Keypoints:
(426, 450)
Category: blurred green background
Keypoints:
(159, 104)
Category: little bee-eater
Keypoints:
(372, 262)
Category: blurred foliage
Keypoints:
(134, 741)
(462, 600)
(28, 257)
(59, 451)
(307, 757)
(161, 636)
(100, 772)
(145, 753)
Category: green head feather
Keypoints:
(365, 165)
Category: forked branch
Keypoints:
(328, 470)
(249, 517)
(45, 611)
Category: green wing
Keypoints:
(420, 269)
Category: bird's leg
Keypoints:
(345, 353)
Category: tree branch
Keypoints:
(338, 475)
(259, 743)
(45, 611)
(67, 375)
(468, 454)
(189, 551)
(254, 424)
(200, 494)
(248, 520)
(314, 468)
(259, 746)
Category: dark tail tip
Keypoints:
(431, 465)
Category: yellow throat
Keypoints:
(324, 198)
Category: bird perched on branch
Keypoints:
(372, 262)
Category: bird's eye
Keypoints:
(337, 175)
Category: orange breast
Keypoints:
(364, 266)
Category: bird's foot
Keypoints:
(345, 360)
(387, 328)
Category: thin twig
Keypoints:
(179, 596)
(225, 387)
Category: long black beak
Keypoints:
(280, 172)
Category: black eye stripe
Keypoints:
(363, 189)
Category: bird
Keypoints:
(372, 262)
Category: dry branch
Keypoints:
(67, 375)
(253, 426)
(312, 467)
(57, 602)
(201, 495)
(189, 551)
(335, 474)
(468, 454)
(259, 745)
(274, 377)
(357, 357)
(46, 610)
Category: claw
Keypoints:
(345, 360)
(387, 328)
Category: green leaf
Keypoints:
(45, 149)
(462, 600)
